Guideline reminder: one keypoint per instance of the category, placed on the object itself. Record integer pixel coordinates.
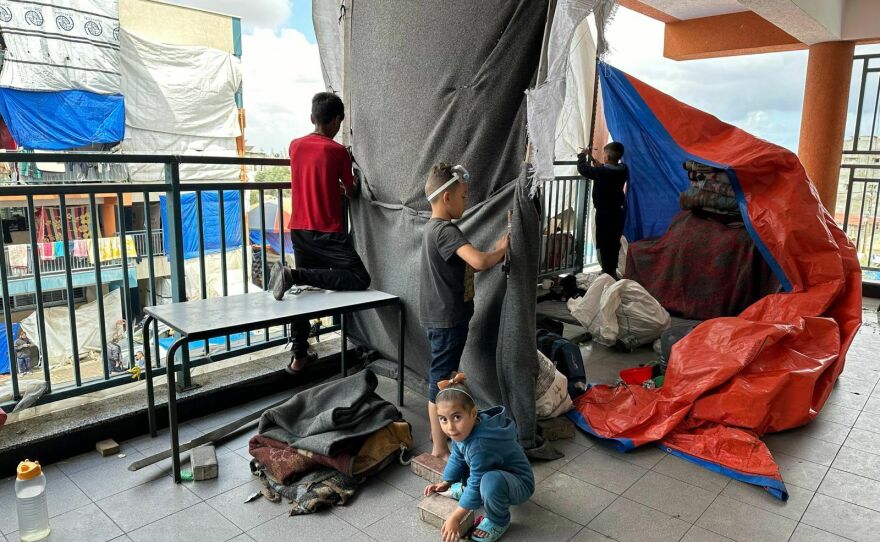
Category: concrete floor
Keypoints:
(831, 469)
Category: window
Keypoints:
(50, 299)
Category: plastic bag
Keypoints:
(551, 390)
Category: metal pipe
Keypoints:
(68, 277)
(38, 287)
(99, 287)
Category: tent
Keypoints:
(210, 221)
(5, 359)
(276, 222)
(773, 366)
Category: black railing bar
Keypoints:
(68, 277)
(221, 209)
(7, 320)
(245, 243)
(281, 225)
(38, 287)
(858, 127)
(873, 226)
(567, 177)
(869, 153)
(861, 217)
(99, 288)
(151, 271)
(865, 180)
(874, 116)
(109, 189)
(561, 162)
(849, 187)
(868, 56)
(265, 261)
(200, 230)
(187, 186)
(126, 283)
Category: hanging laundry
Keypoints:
(130, 248)
(80, 248)
(58, 249)
(47, 251)
(18, 256)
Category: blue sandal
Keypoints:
(487, 526)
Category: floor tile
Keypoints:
(798, 499)
(403, 525)
(629, 521)
(403, 478)
(123, 538)
(671, 496)
(91, 460)
(62, 496)
(745, 523)
(530, 522)
(246, 516)
(866, 441)
(843, 518)
(147, 503)
(86, 524)
(839, 414)
(800, 472)
(852, 488)
(206, 424)
(691, 473)
(603, 470)
(570, 448)
(858, 380)
(807, 533)
(873, 405)
(373, 501)
(858, 462)
(804, 447)
(148, 445)
(243, 537)
(542, 470)
(848, 399)
(234, 471)
(868, 421)
(589, 535)
(571, 498)
(200, 522)
(322, 526)
(699, 534)
(112, 476)
(825, 430)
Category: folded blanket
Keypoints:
(287, 464)
(717, 187)
(694, 198)
(323, 488)
(326, 419)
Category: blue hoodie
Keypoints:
(492, 445)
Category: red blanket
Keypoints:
(701, 268)
(287, 464)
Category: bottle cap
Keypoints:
(28, 469)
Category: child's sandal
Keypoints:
(493, 531)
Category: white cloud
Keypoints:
(253, 13)
(281, 73)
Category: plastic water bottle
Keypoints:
(30, 499)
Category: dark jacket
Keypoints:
(608, 194)
(492, 445)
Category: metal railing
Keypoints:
(566, 225)
(84, 368)
(20, 258)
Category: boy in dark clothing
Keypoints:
(609, 200)
(23, 349)
(320, 171)
(446, 300)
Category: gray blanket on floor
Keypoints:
(329, 418)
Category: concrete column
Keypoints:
(108, 217)
(823, 120)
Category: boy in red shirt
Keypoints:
(321, 172)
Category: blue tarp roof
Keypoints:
(210, 221)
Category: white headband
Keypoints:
(463, 177)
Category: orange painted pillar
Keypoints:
(823, 120)
(108, 217)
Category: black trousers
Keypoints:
(328, 261)
(609, 228)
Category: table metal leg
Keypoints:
(172, 407)
(344, 332)
(148, 368)
(400, 367)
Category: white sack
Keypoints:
(619, 310)
(551, 390)
(177, 89)
(52, 47)
(88, 332)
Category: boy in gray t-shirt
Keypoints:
(446, 299)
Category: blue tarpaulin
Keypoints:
(273, 240)
(210, 221)
(4, 351)
(62, 120)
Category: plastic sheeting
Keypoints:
(5, 359)
(454, 92)
(62, 120)
(210, 221)
(55, 46)
(772, 367)
(88, 331)
(179, 89)
(150, 142)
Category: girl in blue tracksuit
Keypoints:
(484, 443)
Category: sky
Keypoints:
(762, 94)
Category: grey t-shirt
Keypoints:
(446, 298)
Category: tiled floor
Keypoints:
(831, 469)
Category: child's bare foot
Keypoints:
(441, 454)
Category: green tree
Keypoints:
(273, 174)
